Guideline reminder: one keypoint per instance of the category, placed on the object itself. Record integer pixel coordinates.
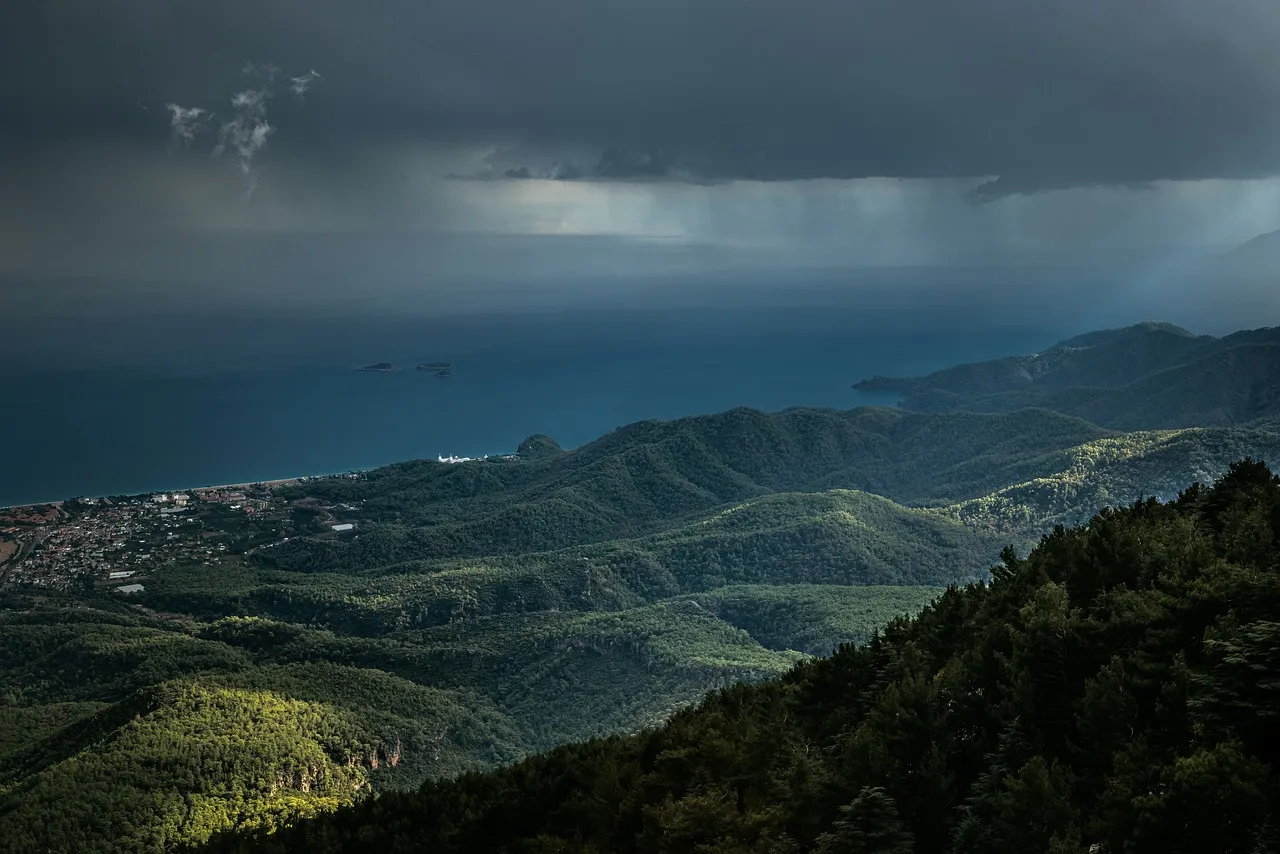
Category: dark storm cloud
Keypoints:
(1045, 94)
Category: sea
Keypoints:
(171, 402)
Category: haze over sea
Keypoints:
(172, 401)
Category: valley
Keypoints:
(478, 612)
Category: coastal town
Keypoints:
(114, 542)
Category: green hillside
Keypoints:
(1114, 471)
(1113, 691)
(836, 537)
(483, 611)
(649, 475)
(813, 619)
(466, 663)
(170, 729)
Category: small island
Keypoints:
(381, 367)
(440, 369)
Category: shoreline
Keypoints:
(275, 482)
(270, 482)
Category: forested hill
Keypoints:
(1144, 377)
(357, 635)
(1111, 692)
(647, 476)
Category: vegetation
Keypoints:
(1111, 472)
(837, 537)
(814, 619)
(1112, 691)
(483, 611)
(1144, 377)
(170, 729)
(539, 446)
(646, 476)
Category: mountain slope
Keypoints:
(1105, 359)
(1114, 472)
(647, 476)
(173, 762)
(1260, 254)
(835, 537)
(170, 730)
(485, 610)
(1110, 692)
(1146, 377)
(524, 637)
(1234, 386)
(831, 537)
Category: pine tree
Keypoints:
(868, 825)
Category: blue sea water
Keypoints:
(280, 397)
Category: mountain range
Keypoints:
(1149, 376)
(1112, 691)
(492, 609)
(1259, 255)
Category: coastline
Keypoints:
(240, 485)
(275, 482)
(271, 482)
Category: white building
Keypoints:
(120, 574)
(130, 588)
(343, 527)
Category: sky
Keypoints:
(419, 153)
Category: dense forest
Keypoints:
(486, 611)
(169, 728)
(1112, 691)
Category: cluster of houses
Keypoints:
(116, 541)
